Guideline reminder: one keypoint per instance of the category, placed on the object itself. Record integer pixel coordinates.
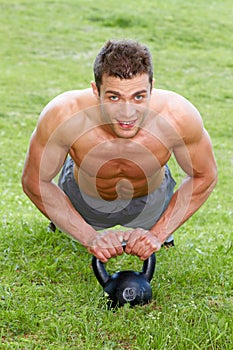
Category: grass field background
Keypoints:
(49, 297)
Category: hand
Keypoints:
(106, 245)
(141, 243)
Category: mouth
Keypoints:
(127, 124)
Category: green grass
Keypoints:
(49, 297)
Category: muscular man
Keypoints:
(112, 143)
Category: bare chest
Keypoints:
(120, 158)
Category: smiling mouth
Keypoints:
(127, 124)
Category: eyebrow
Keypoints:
(118, 93)
(112, 92)
(140, 92)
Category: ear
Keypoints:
(95, 90)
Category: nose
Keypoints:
(127, 110)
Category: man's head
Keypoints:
(122, 59)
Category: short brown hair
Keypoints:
(123, 59)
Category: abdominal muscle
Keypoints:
(119, 186)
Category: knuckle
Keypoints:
(92, 250)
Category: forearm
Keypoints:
(55, 205)
(190, 196)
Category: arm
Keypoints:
(194, 155)
(47, 152)
(197, 160)
(44, 161)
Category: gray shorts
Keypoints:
(141, 212)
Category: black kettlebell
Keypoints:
(126, 286)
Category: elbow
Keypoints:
(212, 179)
(215, 179)
(215, 176)
(28, 185)
(25, 184)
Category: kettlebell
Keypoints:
(126, 286)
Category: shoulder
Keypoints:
(181, 114)
(58, 115)
(68, 103)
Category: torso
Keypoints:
(111, 167)
(120, 170)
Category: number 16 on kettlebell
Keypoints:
(126, 286)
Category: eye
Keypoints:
(139, 97)
(114, 98)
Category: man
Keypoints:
(118, 136)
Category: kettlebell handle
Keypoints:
(148, 267)
(103, 276)
(100, 272)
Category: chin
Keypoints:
(126, 134)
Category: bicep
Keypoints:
(196, 157)
(44, 159)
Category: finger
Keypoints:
(102, 254)
(113, 252)
(116, 239)
(119, 250)
(137, 234)
(109, 245)
(144, 257)
(152, 248)
(135, 239)
(140, 246)
(103, 260)
(120, 236)
(146, 254)
(126, 235)
(130, 242)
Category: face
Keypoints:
(124, 103)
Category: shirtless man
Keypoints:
(112, 143)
